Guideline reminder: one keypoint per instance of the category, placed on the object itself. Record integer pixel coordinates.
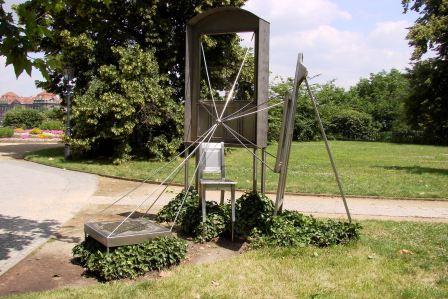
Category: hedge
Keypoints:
(23, 118)
(6, 132)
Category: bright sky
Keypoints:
(340, 39)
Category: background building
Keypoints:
(41, 101)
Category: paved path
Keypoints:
(34, 201)
(361, 208)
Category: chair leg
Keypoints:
(232, 200)
(204, 216)
(222, 196)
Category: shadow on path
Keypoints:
(16, 233)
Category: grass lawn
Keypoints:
(370, 268)
(366, 168)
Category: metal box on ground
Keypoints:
(133, 231)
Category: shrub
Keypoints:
(127, 110)
(19, 130)
(129, 261)
(350, 124)
(52, 125)
(168, 212)
(275, 117)
(293, 229)
(36, 131)
(53, 114)
(22, 118)
(6, 132)
(217, 216)
(254, 219)
(217, 222)
(306, 128)
(215, 226)
(252, 210)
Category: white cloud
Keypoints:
(390, 33)
(298, 12)
(341, 54)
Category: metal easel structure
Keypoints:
(284, 144)
(233, 122)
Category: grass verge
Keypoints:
(374, 267)
(366, 168)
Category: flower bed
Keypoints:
(43, 135)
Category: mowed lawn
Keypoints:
(366, 168)
(392, 260)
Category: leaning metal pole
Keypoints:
(330, 155)
(284, 147)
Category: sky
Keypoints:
(342, 40)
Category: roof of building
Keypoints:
(10, 97)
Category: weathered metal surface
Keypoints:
(133, 231)
(221, 21)
(284, 145)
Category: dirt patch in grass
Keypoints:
(50, 267)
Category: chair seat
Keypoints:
(217, 182)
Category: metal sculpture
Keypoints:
(284, 144)
(231, 123)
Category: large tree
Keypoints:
(81, 33)
(86, 35)
(427, 105)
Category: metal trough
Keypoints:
(133, 231)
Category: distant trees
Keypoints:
(427, 105)
(370, 110)
(382, 96)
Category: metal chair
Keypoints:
(212, 161)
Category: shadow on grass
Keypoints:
(58, 152)
(19, 150)
(416, 169)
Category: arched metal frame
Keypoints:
(225, 20)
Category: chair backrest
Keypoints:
(211, 158)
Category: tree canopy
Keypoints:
(81, 34)
(427, 104)
(91, 37)
(430, 31)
